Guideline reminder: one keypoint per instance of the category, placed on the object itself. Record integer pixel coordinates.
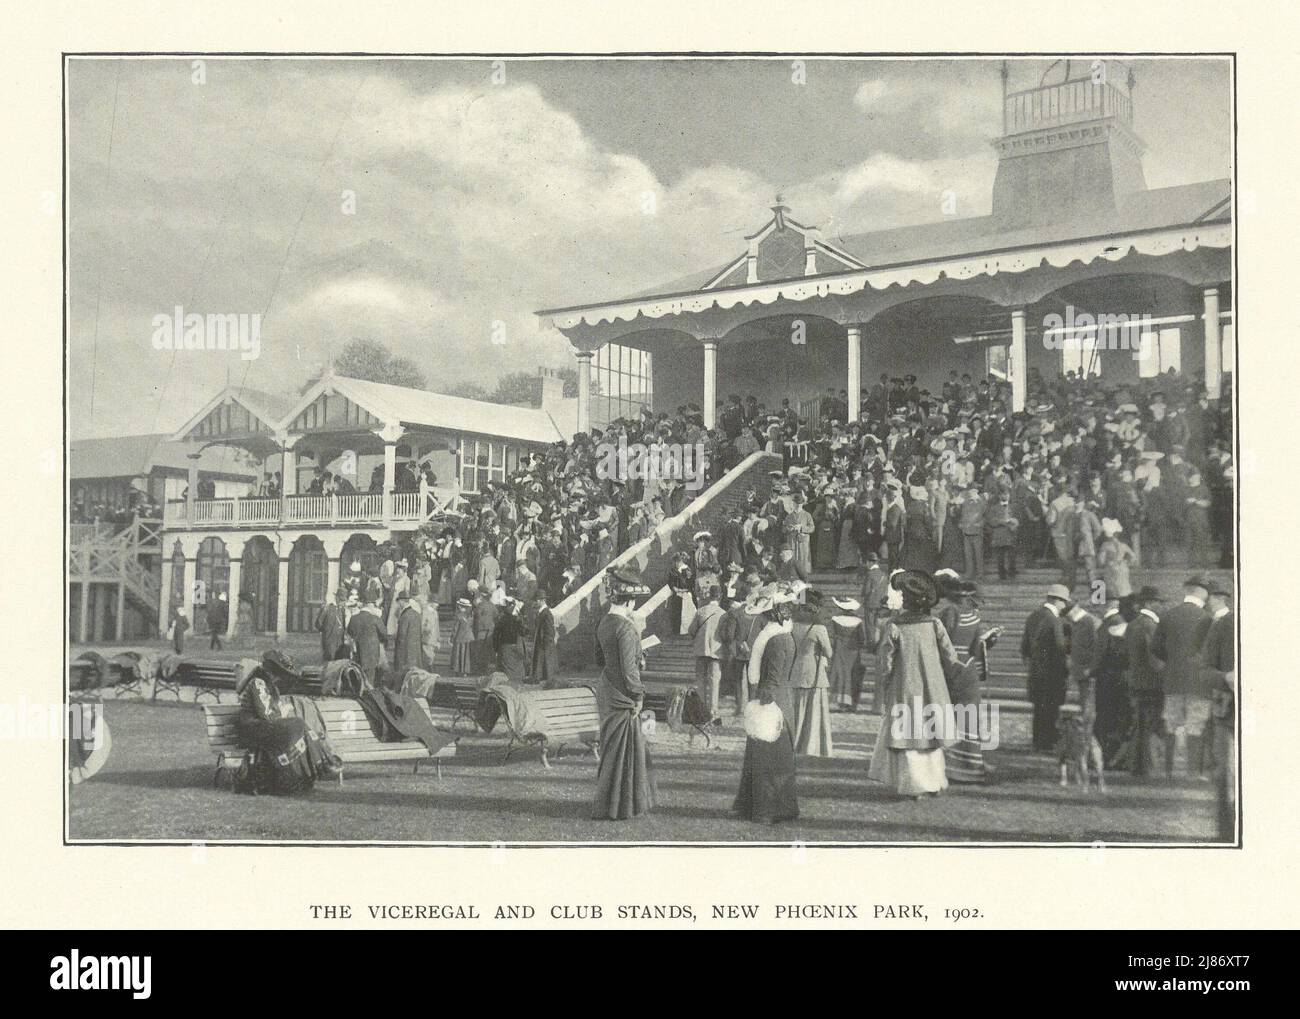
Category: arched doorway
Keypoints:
(308, 565)
(360, 549)
(211, 578)
(259, 582)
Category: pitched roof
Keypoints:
(437, 410)
(952, 238)
(131, 456)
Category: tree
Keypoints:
(371, 360)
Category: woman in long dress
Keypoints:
(767, 776)
(810, 679)
(1114, 558)
(961, 620)
(625, 783)
(916, 659)
(826, 521)
(847, 554)
(848, 638)
(919, 549)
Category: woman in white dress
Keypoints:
(916, 660)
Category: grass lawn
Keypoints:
(156, 784)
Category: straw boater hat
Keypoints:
(847, 604)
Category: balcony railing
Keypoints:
(1066, 103)
(372, 509)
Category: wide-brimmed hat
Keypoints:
(244, 670)
(1147, 593)
(847, 604)
(1059, 591)
(626, 581)
(915, 585)
(1197, 581)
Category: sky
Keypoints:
(435, 204)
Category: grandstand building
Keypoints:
(282, 551)
(1073, 233)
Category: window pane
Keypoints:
(1149, 362)
(1170, 349)
(1228, 347)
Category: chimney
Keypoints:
(552, 388)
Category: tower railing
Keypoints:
(1068, 102)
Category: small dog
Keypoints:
(1077, 748)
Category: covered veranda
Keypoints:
(798, 338)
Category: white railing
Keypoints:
(311, 510)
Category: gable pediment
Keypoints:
(783, 249)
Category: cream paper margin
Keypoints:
(47, 884)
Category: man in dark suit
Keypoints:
(546, 657)
(1218, 665)
(731, 540)
(1177, 643)
(329, 623)
(1145, 678)
(1044, 646)
(408, 645)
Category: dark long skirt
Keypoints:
(767, 781)
(1112, 724)
(965, 759)
(625, 781)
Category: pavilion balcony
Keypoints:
(403, 510)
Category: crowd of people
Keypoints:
(917, 495)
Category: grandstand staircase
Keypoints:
(121, 566)
(1003, 603)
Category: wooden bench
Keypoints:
(461, 699)
(209, 676)
(347, 728)
(566, 714)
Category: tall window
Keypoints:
(997, 362)
(623, 383)
(1160, 351)
(1079, 354)
(1227, 347)
(481, 461)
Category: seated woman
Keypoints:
(289, 755)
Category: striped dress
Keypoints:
(964, 759)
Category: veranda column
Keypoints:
(390, 479)
(1019, 383)
(331, 575)
(192, 486)
(232, 595)
(187, 588)
(165, 592)
(1213, 344)
(855, 371)
(584, 390)
(710, 382)
(282, 598)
